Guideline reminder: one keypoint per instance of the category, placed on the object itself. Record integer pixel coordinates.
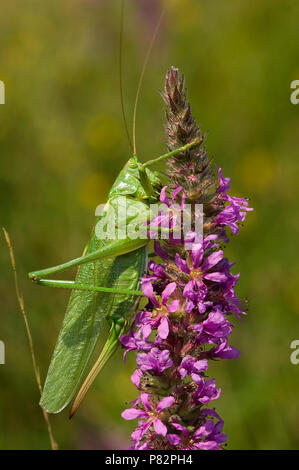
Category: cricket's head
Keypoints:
(137, 181)
(133, 162)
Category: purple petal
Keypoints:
(144, 446)
(137, 435)
(197, 254)
(207, 445)
(163, 196)
(136, 376)
(129, 343)
(167, 292)
(159, 427)
(163, 328)
(174, 439)
(164, 356)
(189, 306)
(181, 428)
(148, 291)
(229, 353)
(201, 307)
(176, 192)
(212, 260)
(211, 412)
(146, 401)
(133, 413)
(143, 427)
(223, 182)
(209, 238)
(146, 331)
(204, 430)
(183, 201)
(173, 306)
(201, 365)
(188, 289)
(165, 403)
(216, 277)
(182, 264)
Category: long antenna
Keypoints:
(141, 76)
(122, 14)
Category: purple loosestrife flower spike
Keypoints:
(191, 297)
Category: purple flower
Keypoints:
(150, 413)
(138, 339)
(225, 351)
(205, 269)
(224, 183)
(229, 299)
(158, 271)
(208, 436)
(206, 391)
(235, 211)
(155, 360)
(192, 367)
(216, 326)
(160, 313)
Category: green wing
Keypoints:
(84, 318)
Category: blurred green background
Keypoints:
(62, 144)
